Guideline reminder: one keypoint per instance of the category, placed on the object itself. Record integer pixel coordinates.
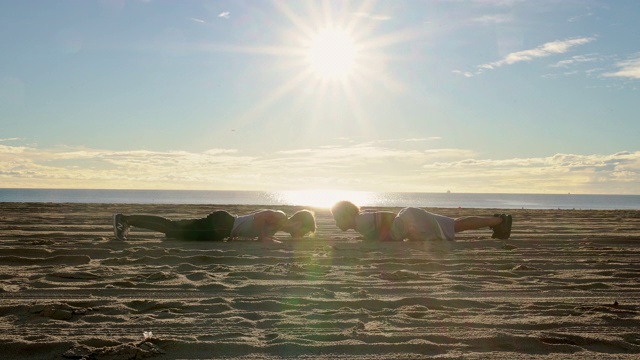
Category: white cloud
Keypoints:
(423, 139)
(616, 173)
(544, 50)
(463, 73)
(198, 20)
(370, 16)
(576, 60)
(225, 14)
(495, 19)
(580, 17)
(627, 69)
(4, 149)
(374, 166)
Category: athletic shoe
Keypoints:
(502, 231)
(120, 227)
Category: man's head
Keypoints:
(300, 223)
(344, 213)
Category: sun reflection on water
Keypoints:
(324, 198)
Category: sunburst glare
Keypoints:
(323, 198)
(331, 51)
(332, 54)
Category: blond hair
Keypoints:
(307, 220)
(345, 210)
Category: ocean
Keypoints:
(319, 198)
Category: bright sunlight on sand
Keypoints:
(324, 198)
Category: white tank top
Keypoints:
(243, 227)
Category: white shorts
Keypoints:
(418, 224)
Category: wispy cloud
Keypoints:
(627, 68)
(423, 139)
(578, 59)
(200, 21)
(544, 50)
(580, 17)
(398, 140)
(10, 151)
(615, 173)
(463, 73)
(495, 19)
(376, 17)
(225, 14)
(373, 166)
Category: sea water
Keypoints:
(324, 198)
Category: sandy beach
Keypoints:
(565, 286)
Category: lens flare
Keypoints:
(323, 198)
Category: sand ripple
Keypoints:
(565, 286)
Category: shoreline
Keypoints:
(322, 198)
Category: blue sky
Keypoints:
(499, 96)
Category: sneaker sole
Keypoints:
(496, 235)
(509, 220)
(115, 228)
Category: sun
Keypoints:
(329, 53)
(332, 54)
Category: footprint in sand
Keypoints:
(399, 275)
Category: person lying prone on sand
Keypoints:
(218, 225)
(263, 224)
(414, 223)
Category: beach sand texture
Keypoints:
(566, 286)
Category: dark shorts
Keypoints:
(215, 227)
